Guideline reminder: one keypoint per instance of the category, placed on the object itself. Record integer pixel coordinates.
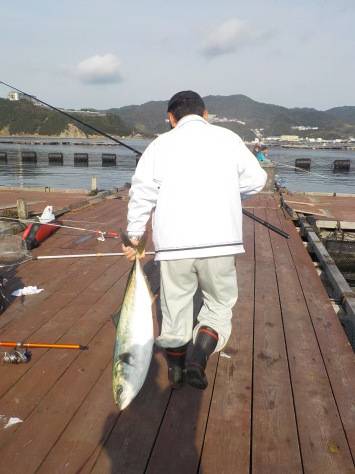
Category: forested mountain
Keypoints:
(23, 118)
(242, 114)
(236, 112)
(346, 113)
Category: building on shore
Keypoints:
(14, 96)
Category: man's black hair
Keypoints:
(186, 103)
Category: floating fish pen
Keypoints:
(341, 166)
(338, 238)
(81, 159)
(29, 157)
(108, 159)
(55, 158)
(343, 252)
(326, 223)
(3, 157)
(303, 164)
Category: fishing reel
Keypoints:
(17, 356)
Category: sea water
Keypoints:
(321, 177)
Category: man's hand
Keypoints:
(131, 252)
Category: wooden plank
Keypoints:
(42, 274)
(87, 430)
(116, 451)
(58, 317)
(183, 427)
(336, 351)
(98, 406)
(344, 225)
(128, 447)
(77, 323)
(36, 436)
(227, 441)
(53, 282)
(275, 445)
(323, 443)
(77, 279)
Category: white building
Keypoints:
(14, 95)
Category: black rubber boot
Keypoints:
(176, 365)
(204, 346)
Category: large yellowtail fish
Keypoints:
(134, 337)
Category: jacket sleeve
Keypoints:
(252, 177)
(143, 194)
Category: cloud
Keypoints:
(105, 69)
(229, 37)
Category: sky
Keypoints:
(110, 53)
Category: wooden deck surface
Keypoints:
(339, 207)
(38, 200)
(280, 397)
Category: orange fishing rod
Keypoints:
(40, 345)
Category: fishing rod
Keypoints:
(21, 355)
(84, 255)
(267, 224)
(113, 235)
(41, 345)
(100, 132)
(57, 257)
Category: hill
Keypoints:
(239, 113)
(346, 113)
(148, 118)
(24, 118)
(244, 115)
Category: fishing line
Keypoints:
(302, 169)
(83, 222)
(9, 265)
(329, 178)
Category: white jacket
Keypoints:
(194, 177)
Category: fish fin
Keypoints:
(116, 317)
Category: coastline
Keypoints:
(64, 139)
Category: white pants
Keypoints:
(179, 280)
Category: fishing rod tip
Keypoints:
(84, 348)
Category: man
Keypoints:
(193, 177)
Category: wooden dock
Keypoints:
(38, 198)
(280, 397)
(329, 206)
